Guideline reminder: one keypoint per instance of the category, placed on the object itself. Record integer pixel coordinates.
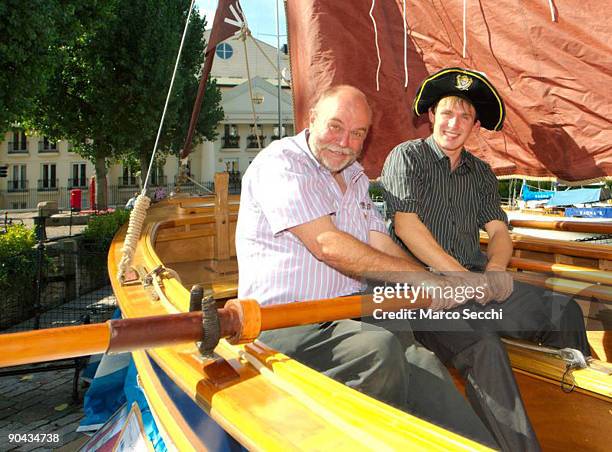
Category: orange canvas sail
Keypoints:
(550, 60)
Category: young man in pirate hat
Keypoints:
(438, 197)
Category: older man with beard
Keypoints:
(307, 229)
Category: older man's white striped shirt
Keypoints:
(284, 187)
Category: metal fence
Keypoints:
(19, 196)
(52, 286)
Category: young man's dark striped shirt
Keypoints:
(453, 205)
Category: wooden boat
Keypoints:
(257, 395)
(252, 396)
(258, 398)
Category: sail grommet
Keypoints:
(249, 320)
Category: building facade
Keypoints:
(40, 170)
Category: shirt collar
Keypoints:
(466, 158)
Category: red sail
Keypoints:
(555, 76)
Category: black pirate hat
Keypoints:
(471, 85)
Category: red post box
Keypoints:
(75, 199)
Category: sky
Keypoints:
(260, 15)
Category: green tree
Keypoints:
(154, 73)
(107, 97)
(32, 31)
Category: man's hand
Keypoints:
(501, 283)
(439, 290)
(480, 285)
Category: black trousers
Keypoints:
(475, 349)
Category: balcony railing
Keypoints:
(178, 181)
(47, 184)
(11, 148)
(252, 141)
(157, 181)
(77, 183)
(127, 181)
(51, 147)
(235, 181)
(231, 141)
(18, 185)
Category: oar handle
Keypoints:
(240, 321)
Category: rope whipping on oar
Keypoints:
(143, 202)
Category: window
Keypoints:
(19, 180)
(49, 180)
(231, 139)
(231, 165)
(224, 51)
(19, 143)
(129, 177)
(276, 136)
(231, 130)
(47, 146)
(79, 175)
(255, 130)
(157, 175)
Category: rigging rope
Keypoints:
(262, 52)
(246, 32)
(553, 15)
(376, 41)
(143, 202)
(405, 46)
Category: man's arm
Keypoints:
(499, 249)
(415, 235)
(353, 257)
(384, 243)
(499, 252)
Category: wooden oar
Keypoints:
(591, 275)
(571, 226)
(567, 286)
(240, 321)
(551, 246)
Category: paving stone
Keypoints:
(71, 418)
(26, 417)
(6, 403)
(7, 413)
(36, 425)
(20, 390)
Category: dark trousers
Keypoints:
(475, 349)
(389, 366)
